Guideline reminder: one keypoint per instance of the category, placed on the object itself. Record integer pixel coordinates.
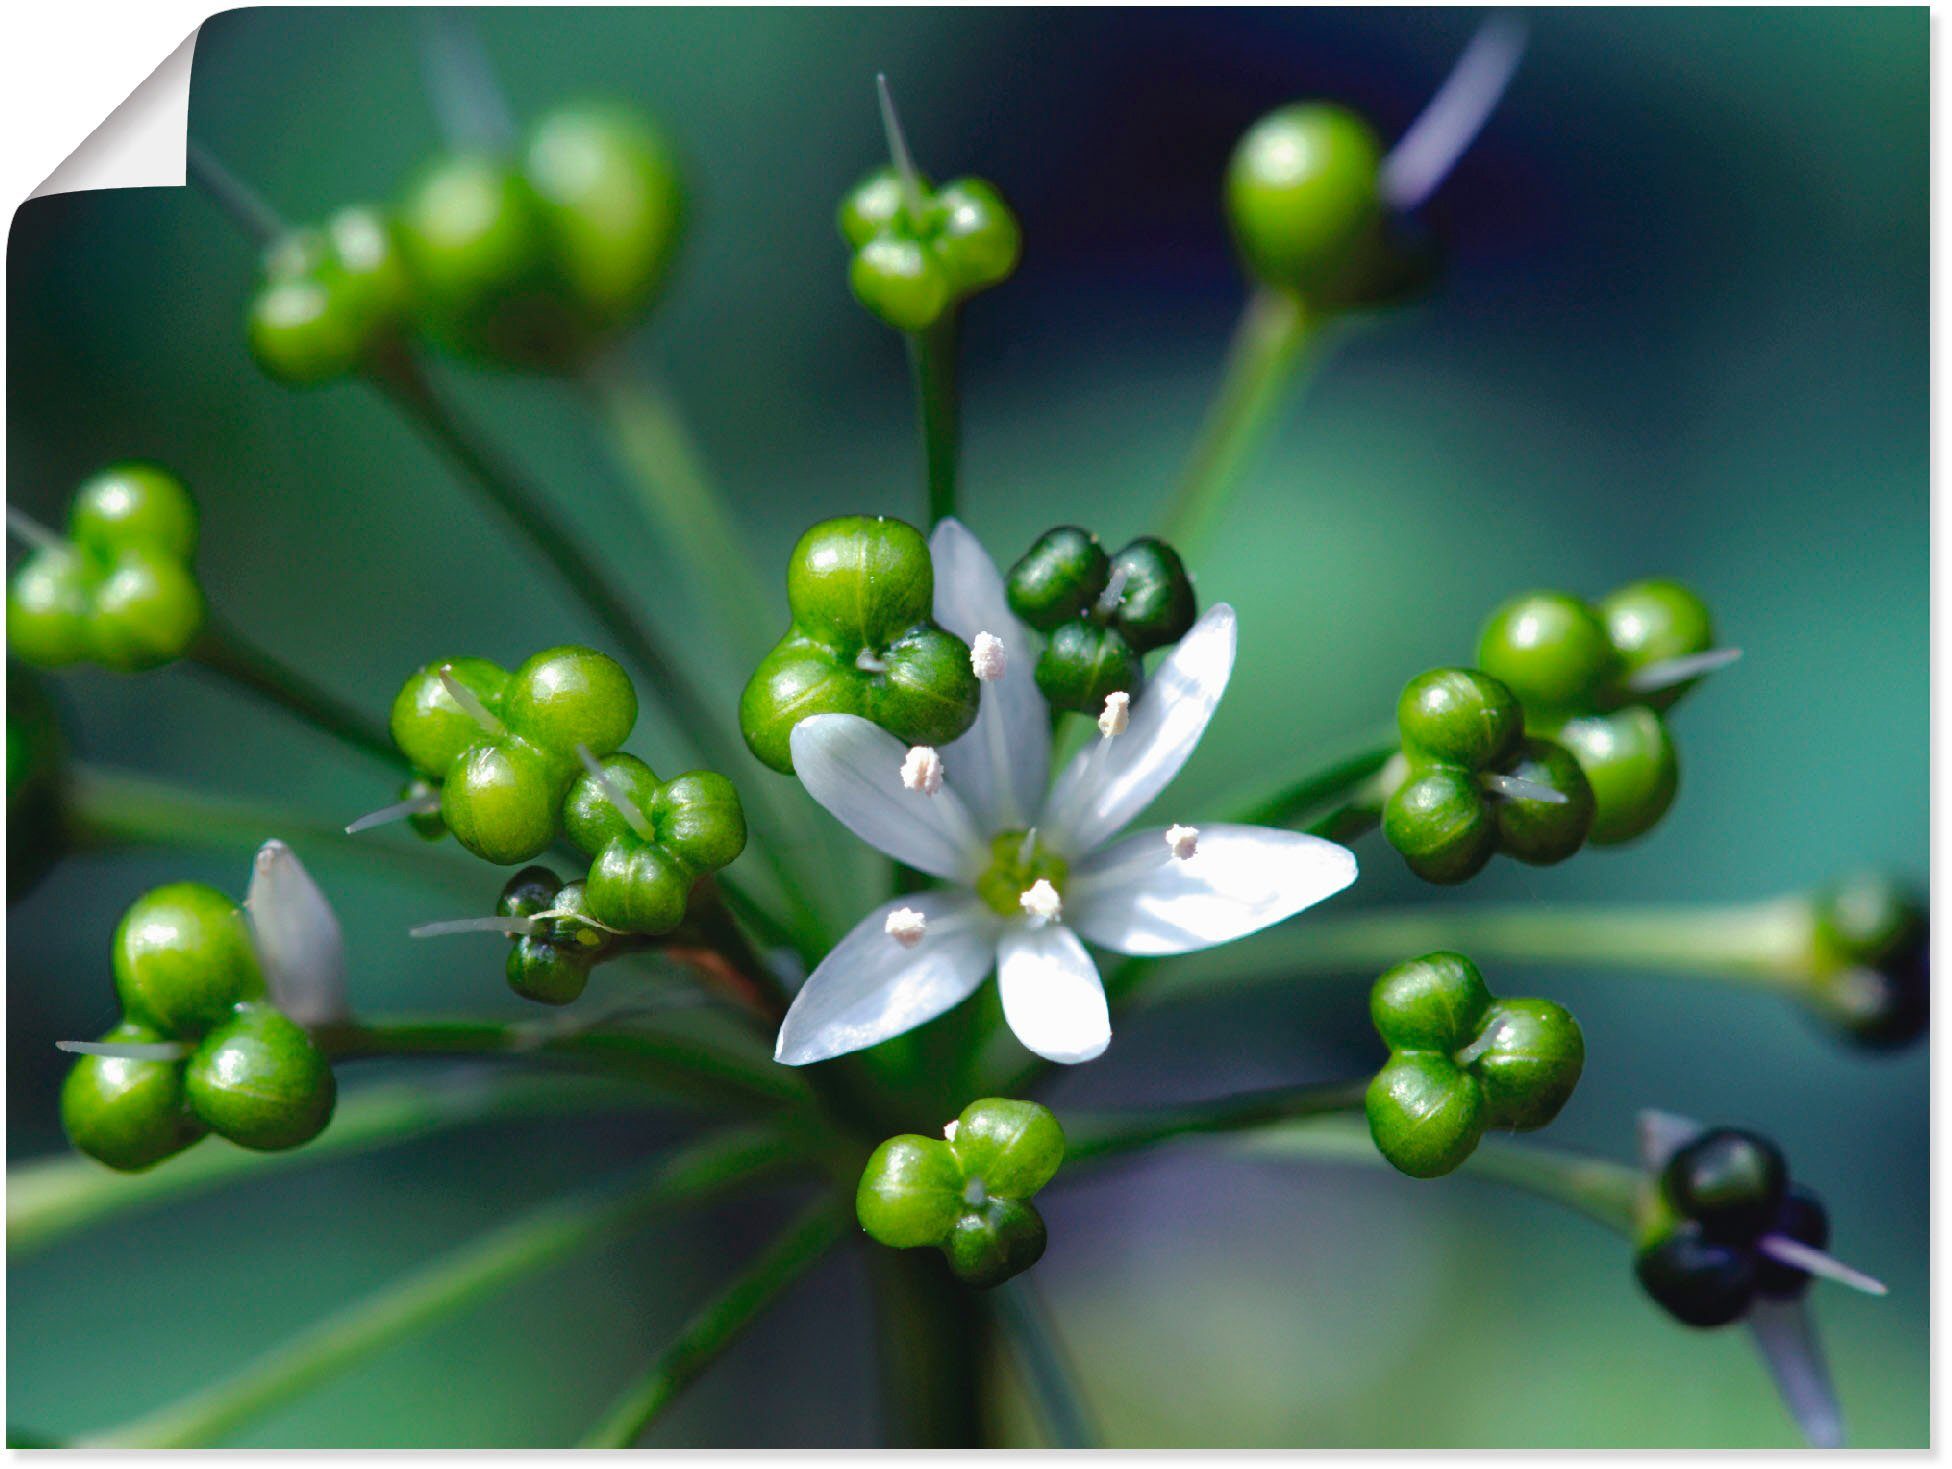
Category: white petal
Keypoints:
(872, 987)
(1136, 897)
(1001, 764)
(853, 768)
(298, 939)
(1787, 1340)
(1117, 778)
(1052, 995)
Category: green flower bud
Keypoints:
(1461, 1061)
(1550, 649)
(1652, 621)
(128, 1114)
(37, 777)
(995, 1240)
(120, 591)
(1083, 664)
(977, 238)
(501, 800)
(911, 1192)
(640, 880)
(1302, 197)
(1059, 578)
(1729, 1182)
(1458, 716)
(871, 206)
(1013, 1148)
(1629, 762)
(912, 263)
(330, 299)
(862, 641)
(184, 960)
(1156, 606)
(900, 281)
(552, 965)
(1695, 1280)
(432, 730)
(613, 201)
(1873, 961)
(570, 696)
(1441, 821)
(261, 1082)
(1544, 832)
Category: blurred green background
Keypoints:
(1683, 331)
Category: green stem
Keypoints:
(1267, 348)
(448, 1285)
(52, 1198)
(1599, 1188)
(1046, 1366)
(717, 1325)
(676, 492)
(1105, 1138)
(1299, 797)
(932, 356)
(225, 651)
(930, 1344)
(686, 1065)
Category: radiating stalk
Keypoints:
(931, 1349)
(718, 1324)
(1046, 1366)
(52, 1198)
(1317, 787)
(1106, 1137)
(932, 357)
(1268, 346)
(224, 650)
(448, 1285)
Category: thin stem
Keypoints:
(450, 1284)
(1107, 1138)
(468, 103)
(753, 982)
(932, 356)
(245, 207)
(1601, 1189)
(1268, 345)
(52, 1198)
(226, 651)
(930, 1341)
(1046, 1365)
(1303, 795)
(717, 1325)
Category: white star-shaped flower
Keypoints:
(1025, 907)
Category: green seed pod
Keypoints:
(862, 641)
(1083, 664)
(551, 965)
(145, 613)
(131, 503)
(1532, 1055)
(502, 799)
(915, 260)
(1441, 821)
(1156, 606)
(613, 202)
(570, 696)
(531, 891)
(1695, 1280)
(125, 1113)
(1435, 1003)
(1302, 197)
(37, 781)
(911, 1192)
(1550, 649)
(1425, 1114)
(1544, 832)
(1803, 1219)
(261, 1082)
(432, 730)
(640, 883)
(1732, 1183)
(871, 206)
(1059, 579)
(330, 298)
(184, 960)
(49, 597)
(1872, 961)
(977, 239)
(995, 1240)
(1012, 1148)
(1652, 621)
(1458, 716)
(1629, 761)
(900, 281)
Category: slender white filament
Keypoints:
(1424, 156)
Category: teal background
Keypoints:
(1683, 331)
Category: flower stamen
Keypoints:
(906, 926)
(987, 657)
(921, 770)
(1117, 716)
(1041, 902)
(1182, 841)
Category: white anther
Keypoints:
(1041, 902)
(1117, 715)
(1183, 841)
(921, 770)
(906, 926)
(949, 1129)
(986, 657)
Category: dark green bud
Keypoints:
(1652, 621)
(995, 1240)
(1059, 579)
(863, 641)
(1729, 1182)
(552, 964)
(1083, 664)
(128, 1114)
(1532, 1053)
(184, 960)
(260, 1081)
(1551, 650)
(1695, 1280)
(1435, 1003)
(1629, 761)
(1441, 821)
(1543, 832)
(1156, 606)
(1303, 197)
(1458, 716)
(1873, 961)
(1425, 1114)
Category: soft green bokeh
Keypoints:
(1684, 333)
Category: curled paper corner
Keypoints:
(140, 145)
